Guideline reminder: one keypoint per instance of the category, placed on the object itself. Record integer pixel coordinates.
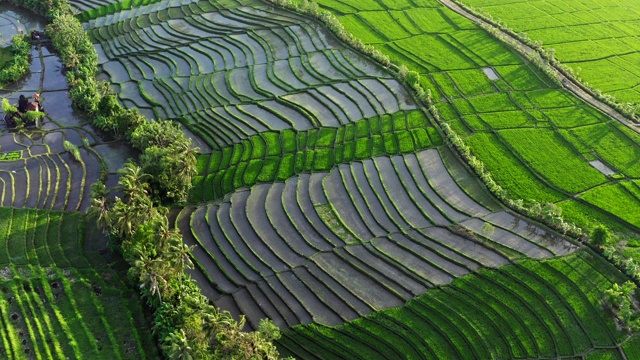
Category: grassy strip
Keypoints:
(56, 309)
(44, 309)
(272, 156)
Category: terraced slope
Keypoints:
(45, 175)
(36, 171)
(538, 141)
(273, 156)
(229, 71)
(532, 309)
(598, 39)
(332, 247)
(59, 301)
(327, 206)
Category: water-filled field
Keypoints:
(330, 247)
(326, 195)
(266, 70)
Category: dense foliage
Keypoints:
(19, 64)
(621, 299)
(184, 321)
(167, 157)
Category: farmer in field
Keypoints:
(36, 104)
(36, 35)
(23, 104)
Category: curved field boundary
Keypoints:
(49, 179)
(505, 121)
(332, 247)
(533, 309)
(43, 173)
(92, 9)
(277, 156)
(263, 69)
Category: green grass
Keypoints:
(548, 154)
(516, 179)
(385, 24)
(275, 156)
(604, 51)
(60, 301)
(367, 33)
(616, 200)
(472, 82)
(508, 119)
(613, 146)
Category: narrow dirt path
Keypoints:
(568, 83)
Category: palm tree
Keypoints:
(133, 181)
(100, 209)
(151, 274)
(177, 253)
(100, 206)
(126, 218)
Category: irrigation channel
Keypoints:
(35, 169)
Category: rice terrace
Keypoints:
(327, 179)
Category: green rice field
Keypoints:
(62, 301)
(327, 197)
(526, 310)
(529, 133)
(595, 38)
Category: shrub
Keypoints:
(73, 150)
(600, 235)
(19, 64)
(7, 107)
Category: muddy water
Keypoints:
(61, 123)
(14, 21)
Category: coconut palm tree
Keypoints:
(177, 253)
(133, 181)
(126, 218)
(151, 274)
